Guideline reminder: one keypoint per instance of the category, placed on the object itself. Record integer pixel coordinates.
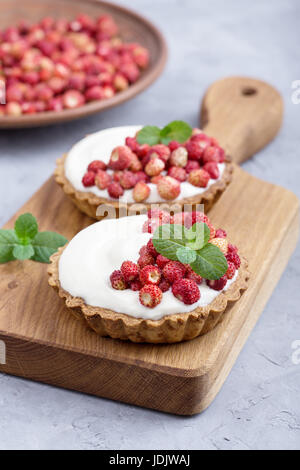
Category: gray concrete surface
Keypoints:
(259, 406)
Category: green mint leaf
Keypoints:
(22, 252)
(8, 241)
(210, 262)
(168, 238)
(186, 255)
(149, 135)
(198, 236)
(176, 130)
(45, 244)
(26, 227)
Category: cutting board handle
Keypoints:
(244, 114)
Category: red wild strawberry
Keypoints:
(88, 179)
(193, 276)
(173, 145)
(142, 150)
(135, 164)
(164, 285)
(102, 179)
(129, 270)
(177, 173)
(115, 190)
(117, 176)
(231, 270)
(141, 56)
(234, 258)
(120, 158)
(192, 165)
(173, 271)
(161, 261)
(141, 176)
(143, 250)
(151, 249)
(72, 99)
(141, 192)
(127, 179)
(150, 226)
(154, 167)
(156, 179)
(159, 151)
(168, 188)
(211, 154)
(145, 260)
(131, 142)
(212, 169)
(150, 275)
(194, 150)
(186, 291)
(96, 165)
(179, 157)
(150, 295)
(136, 285)
(218, 284)
(199, 178)
(220, 233)
(232, 248)
(117, 280)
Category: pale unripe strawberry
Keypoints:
(179, 157)
(199, 178)
(168, 188)
(221, 243)
(141, 192)
(102, 179)
(154, 167)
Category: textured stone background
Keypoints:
(258, 407)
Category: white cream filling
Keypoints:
(95, 252)
(98, 146)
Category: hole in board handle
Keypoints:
(249, 91)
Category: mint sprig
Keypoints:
(191, 246)
(176, 130)
(26, 242)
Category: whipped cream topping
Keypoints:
(94, 253)
(98, 146)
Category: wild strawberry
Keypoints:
(199, 178)
(232, 248)
(220, 233)
(141, 56)
(212, 169)
(136, 285)
(135, 164)
(222, 155)
(129, 270)
(159, 151)
(154, 167)
(221, 243)
(102, 179)
(231, 270)
(115, 190)
(196, 131)
(143, 250)
(57, 84)
(161, 261)
(13, 109)
(168, 188)
(141, 176)
(141, 192)
(218, 284)
(108, 91)
(120, 158)
(173, 271)
(94, 93)
(14, 93)
(173, 145)
(234, 258)
(55, 104)
(177, 173)
(130, 71)
(97, 165)
(127, 179)
(120, 82)
(179, 157)
(163, 217)
(211, 154)
(117, 176)
(164, 285)
(131, 142)
(88, 179)
(186, 291)
(150, 275)
(150, 226)
(150, 295)
(202, 140)
(151, 249)
(194, 150)
(192, 165)
(193, 276)
(156, 179)
(145, 260)
(142, 150)
(72, 99)
(117, 280)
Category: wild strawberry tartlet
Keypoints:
(164, 286)
(113, 168)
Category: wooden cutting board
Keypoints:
(44, 342)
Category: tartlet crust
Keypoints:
(169, 329)
(88, 202)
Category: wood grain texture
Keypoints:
(244, 114)
(46, 343)
(133, 28)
